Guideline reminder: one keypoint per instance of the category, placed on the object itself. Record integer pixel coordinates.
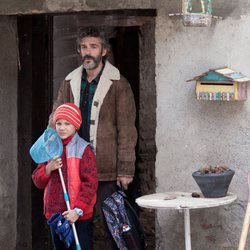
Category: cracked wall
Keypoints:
(192, 133)
(8, 132)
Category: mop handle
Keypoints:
(66, 198)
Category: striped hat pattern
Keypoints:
(69, 112)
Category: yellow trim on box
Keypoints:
(217, 88)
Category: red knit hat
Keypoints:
(69, 112)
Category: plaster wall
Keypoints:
(192, 133)
(8, 133)
(9, 7)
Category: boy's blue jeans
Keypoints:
(84, 233)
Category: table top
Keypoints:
(182, 200)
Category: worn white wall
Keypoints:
(192, 133)
(11, 7)
(8, 133)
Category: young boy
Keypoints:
(78, 166)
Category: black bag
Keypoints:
(123, 222)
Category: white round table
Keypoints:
(183, 201)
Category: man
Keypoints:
(108, 111)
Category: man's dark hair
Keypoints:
(92, 32)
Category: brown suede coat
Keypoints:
(112, 130)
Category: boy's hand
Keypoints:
(71, 215)
(53, 165)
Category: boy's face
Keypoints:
(64, 128)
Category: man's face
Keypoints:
(91, 51)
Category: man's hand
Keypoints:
(124, 181)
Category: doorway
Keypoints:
(34, 106)
(47, 54)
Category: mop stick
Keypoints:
(66, 198)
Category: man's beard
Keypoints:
(95, 62)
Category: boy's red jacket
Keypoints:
(80, 177)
